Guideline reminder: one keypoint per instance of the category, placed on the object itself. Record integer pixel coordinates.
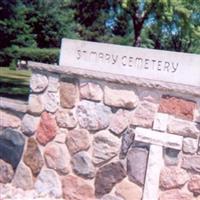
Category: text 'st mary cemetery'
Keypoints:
(180, 68)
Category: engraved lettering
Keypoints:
(174, 67)
(130, 61)
(124, 60)
(146, 63)
(114, 58)
(138, 62)
(107, 57)
(79, 54)
(159, 65)
(153, 63)
(166, 66)
(93, 54)
(101, 56)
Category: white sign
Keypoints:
(151, 64)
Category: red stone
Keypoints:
(47, 128)
(178, 107)
(194, 184)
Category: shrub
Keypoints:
(15, 53)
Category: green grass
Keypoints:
(14, 83)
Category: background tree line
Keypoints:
(27, 25)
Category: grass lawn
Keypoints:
(14, 83)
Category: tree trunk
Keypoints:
(137, 32)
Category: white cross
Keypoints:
(155, 161)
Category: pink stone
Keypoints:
(77, 140)
(119, 122)
(6, 172)
(175, 194)
(194, 184)
(91, 91)
(8, 120)
(178, 107)
(75, 188)
(173, 177)
(47, 128)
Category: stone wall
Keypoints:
(92, 136)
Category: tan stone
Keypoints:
(68, 94)
(144, 114)
(6, 172)
(128, 190)
(175, 194)
(77, 140)
(91, 91)
(120, 98)
(35, 105)
(8, 120)
(75, 188)
(173, 177)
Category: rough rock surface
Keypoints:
(82, 165)
(190, 145)
(68, 94)
(57, 157)
(127, 190)
(33, 157)
(120, 98)
(91, 91)
(144, 114)
(105, 146)
(38, 82)
(136, 164)
(175, 194)
(23, 177)
(178, 107)
(107, 177)
(191, 163)
(29, 124)
(119, 122)
(48, 183)
(75, 188)
(93, 116)
(173, 177)
(11, 146)
(51, 101)
(65, 118)
(35, 104)
(111, 197)
(194, 184)
(9, 121)
(6, 172)
(183, 127)
(171, 156)
(47, 129)
(77, 140)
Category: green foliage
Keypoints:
(35, 54)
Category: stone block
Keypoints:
(38, 82)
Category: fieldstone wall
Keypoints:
(89, 138)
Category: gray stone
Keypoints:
(191, 163)
(82, 165)
(11, 146)
(93, 116)
(6, 172)
(107, 177)
(120, 98)
(183, 127)
(127, 141)
(171, 156)
(136, 164)
(105, 146)
(38, 82)
(160, 122)
(57, 157)
(53, 83)
(48, 183)
(65, 118)
(190, 145)
(30, 124)
(23, 177)
(35, 104)
(144, 114)
(51, 101)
